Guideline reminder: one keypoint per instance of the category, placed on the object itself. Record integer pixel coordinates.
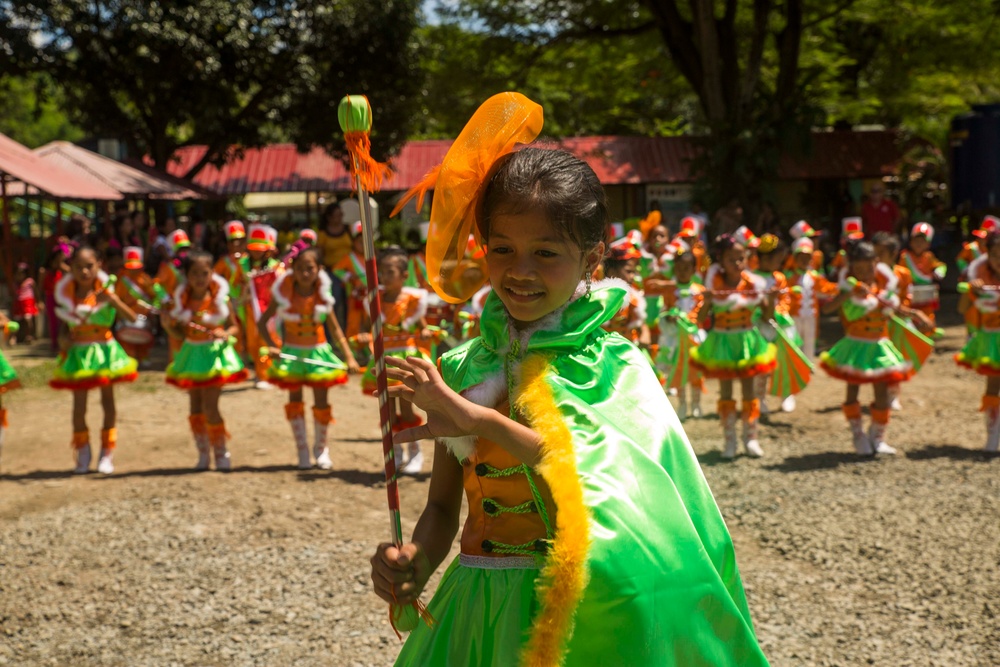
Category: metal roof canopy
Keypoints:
(617, 160)
(20, 164)
(130, 181)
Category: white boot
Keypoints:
(695, 401)
(397, 453)
(894, 403)
(682, 404)
(750, 422)
(992, 429)
(415, 461)
(298, 425)
(876, 433)
(788, 404)
(862, 445)
(106, 464)
(760, 390)
(83, 455)
(322, 417)
(727, 415)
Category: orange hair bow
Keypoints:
(647, 224)
(502, 122)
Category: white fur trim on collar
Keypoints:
(182, 314)
(77, 313)
(421, 295)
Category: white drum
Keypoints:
(137, 333)
(925, 295)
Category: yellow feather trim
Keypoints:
(564, 575)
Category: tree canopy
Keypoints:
(218, 72)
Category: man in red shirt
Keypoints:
(880, 214)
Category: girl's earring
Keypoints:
(588, 279)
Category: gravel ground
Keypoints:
(894, 561)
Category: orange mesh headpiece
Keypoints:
(647, 224)
(504, 120)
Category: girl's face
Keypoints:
(770, 261)
(919, 244)
(359, 244)
(993, 257)
(684, 271)
(392, 274)
(658, 237)
(626, 272)
(864, 270)
(802, 260)
(84, 267)
(533, 267)
(885, 255)
(305, 271)
(734, 260)
(236, 246)
(199, 274)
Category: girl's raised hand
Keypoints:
(400, 574)
(449, 415)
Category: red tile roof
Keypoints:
(616, 160)
(29, 170)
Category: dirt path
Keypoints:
(846, 562)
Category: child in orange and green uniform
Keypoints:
(234, 267)
(91, 358)
(926, 269)
(207, 360)
(8, 378)
(303, 302)
(682, 315)
(170, 275)
(142, 294)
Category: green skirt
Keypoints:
(209, 364)
(866, 361)
(8, 378)
(734, 354)
(315, 366)
(483, 618)
(92, 365)
(981, 353)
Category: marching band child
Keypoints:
(24, 308)
(803, 230)
(567, 439)
(142, 294)
(865, 355)
(406, 335)
(807, 288)
(91, 358)
(8, 378)
(770, 258)
(630, 322)
(982, 352)
(926, 269)
(683, 302)
(851, 230)
(690, 234)
(263, 270)
(169, 275)
(201, 318)
(976, 248)
(302, 301)
(351, 271)
(734, 349)
(234, 267)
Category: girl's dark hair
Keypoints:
(614, 265)
(80, 247)
(992, 239)
(684, 256)
(887, 239)
(722, 243)
(316, 253)
(330, 208)
(563, 186)
(394, 252)
(860, 251)
(194, 255)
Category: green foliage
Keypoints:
(217, 72)
(32, 111)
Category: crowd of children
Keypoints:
(737, 314)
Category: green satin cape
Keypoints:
(664, 588)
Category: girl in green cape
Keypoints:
(592, 537)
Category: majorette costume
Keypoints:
(628, 322)
(734, 349)
(775, 283)
(982, 352)
(260, 278)
(866, 354)
(570, 563)
(973, 250)
(142, 294)
(806, 289)
(234, 269)
(927, 271)
(681, 331)
(94, 358)
(169, 276)
(351, 272)
(8, 379)
(205, 361)
(402, 320)
(310, 362)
